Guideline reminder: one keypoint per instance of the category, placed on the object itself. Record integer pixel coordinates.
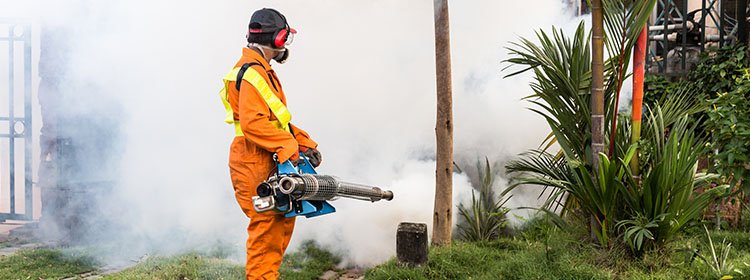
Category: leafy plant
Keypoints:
(651, 211)
(729, 126)
(667, 193)
(597, 195)
(637, 230)
(562, 69)
(718, 262)
(624, 21)
(657, 87)
(485, 219)
(719, 70)
(562, 95)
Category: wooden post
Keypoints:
(411, 244)
(442, 225)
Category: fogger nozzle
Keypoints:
(324, 187)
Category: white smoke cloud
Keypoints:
(360, 80)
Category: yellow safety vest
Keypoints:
(283, 117)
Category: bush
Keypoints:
(665, 201)
(485, 219)
(729, 126)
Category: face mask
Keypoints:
(282, 56)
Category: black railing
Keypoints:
(15, 120)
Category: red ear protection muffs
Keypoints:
(277, 39)
(280, 37)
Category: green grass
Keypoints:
(309, 262)
(538, 252)
(44, 264)
(501, 259)
(546, 253)
(188, 266)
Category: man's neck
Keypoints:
(260, 52)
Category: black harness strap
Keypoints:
(241, 74)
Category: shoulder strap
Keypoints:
(255, 78)
(241, 73)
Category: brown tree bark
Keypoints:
(597, 82)
(442, 214)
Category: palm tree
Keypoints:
(576, 92)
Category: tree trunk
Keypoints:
(597, 92)
(597, 82)
(442, 214)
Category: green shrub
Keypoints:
(719, 70)
(729, 126)
(485, 219)
(665, 201)
(715, 259)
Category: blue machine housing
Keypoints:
(307, 208)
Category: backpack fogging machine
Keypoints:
(301, 191)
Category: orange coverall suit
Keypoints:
(251, 163)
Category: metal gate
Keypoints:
(678, 32)
(15, 121)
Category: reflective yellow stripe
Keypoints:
(273, 101)
(229, 117)
(238, 129)
(256, 80)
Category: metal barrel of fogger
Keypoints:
(324, 187)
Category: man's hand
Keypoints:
(294, 158)
(313, 155)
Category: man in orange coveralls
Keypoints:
(257, 108)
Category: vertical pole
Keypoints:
(722, 18)
(27, 125)
(704, 13)
(442, 214)
(639, 58)
(597, 82)
(742, 32)
(684, 37)
(11, 119)
(597, 95)
(665, 41)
